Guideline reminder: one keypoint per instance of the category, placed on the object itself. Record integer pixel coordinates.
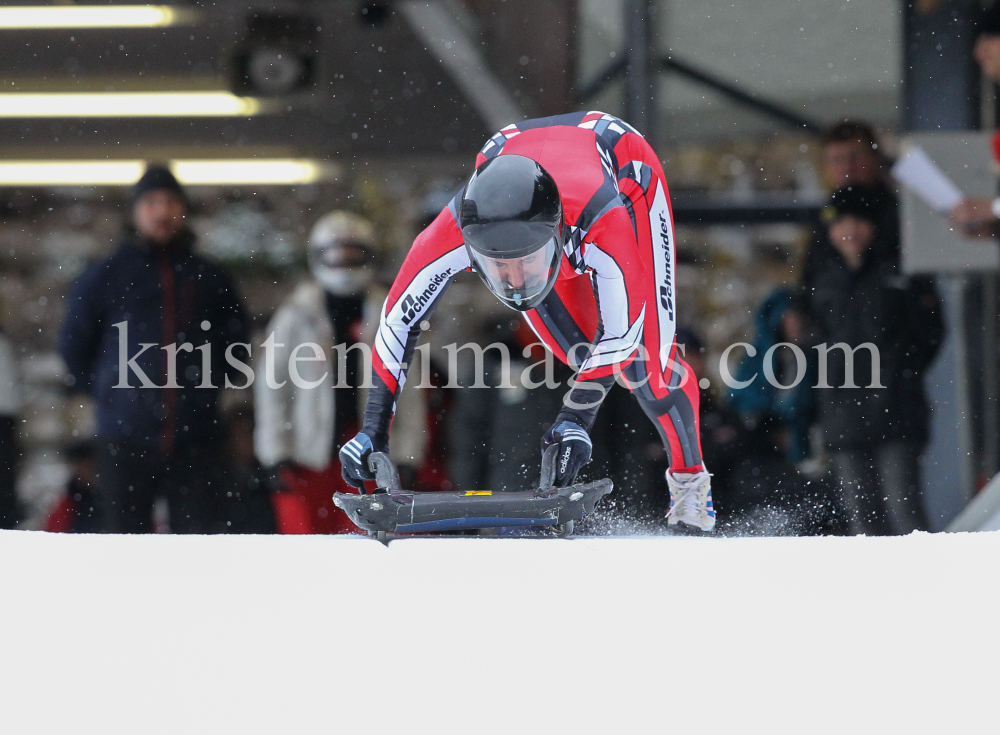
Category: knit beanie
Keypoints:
(157, 178)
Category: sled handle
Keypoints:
(386, 474)
(548, 468)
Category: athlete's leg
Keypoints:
(673, 410)
(665, 385)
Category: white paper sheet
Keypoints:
(918, 173)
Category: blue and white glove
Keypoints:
(354, 459)
(574, 452)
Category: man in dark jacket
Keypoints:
(146, 335)
(874, 434)
(852, 157)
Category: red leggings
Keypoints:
(665, 385)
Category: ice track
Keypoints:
(298, 634)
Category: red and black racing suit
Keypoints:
(615, 291)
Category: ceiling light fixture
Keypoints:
(46, 173)
(251, 171)
(190, 172)
(128, 104)
(94, 16)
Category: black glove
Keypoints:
(354, 459)
(574, 450)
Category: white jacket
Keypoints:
(296, 423)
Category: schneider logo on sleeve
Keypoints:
(666, 291)
(413, 305)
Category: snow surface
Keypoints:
(310, 634)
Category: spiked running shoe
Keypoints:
(691, 500)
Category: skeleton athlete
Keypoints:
(567, 220)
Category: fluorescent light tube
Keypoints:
(191, 172)
(250, 171)
(40, 173)
(93, 16)
(128, 104)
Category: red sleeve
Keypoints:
(438, 254)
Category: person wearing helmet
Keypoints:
(300, 424)
(567, 220)
(511, 219)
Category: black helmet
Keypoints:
(512, 222)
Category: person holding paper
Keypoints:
(980, 217)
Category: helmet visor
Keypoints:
(522, 282)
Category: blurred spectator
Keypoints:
(141, 327)
(767, 491)
(874, 435)
(851, 157)
(299, 429)
(792, 410)
(10, 408)
(78, 510)
(494, 430)
(246, 487)
(435, 406)
(980, 217)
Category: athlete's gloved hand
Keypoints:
(354, 458)
(574, 452)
